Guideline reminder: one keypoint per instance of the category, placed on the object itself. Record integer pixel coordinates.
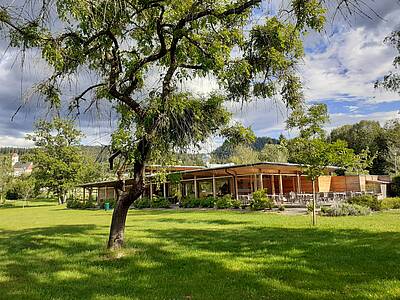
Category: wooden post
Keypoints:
(273, 184)
(255, 182)
(84, 196)
(261, 182)
(195, 187)
(186, 189)
(151, 189)
(314, 220)
(298, 183)
(214, 187)
(280, 184)
(90, 194)
(236, 187)
(164, 190)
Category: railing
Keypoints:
(305, 198)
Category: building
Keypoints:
(283, 182)
(20, 168)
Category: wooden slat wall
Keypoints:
(345, 184)
(324, 184)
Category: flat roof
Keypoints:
(210, 171)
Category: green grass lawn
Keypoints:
(49, 252)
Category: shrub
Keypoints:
(190, 202)
(208, 202)
(260, 200)
(224, 202)
(89, 204)
(391, 203)
(367, 201)
(281, 208)
(395, 186)
(345, 209)
(236, 203)
(143, 202)
(73, 203)
(160, 202)
(77, 204)
(111, 202)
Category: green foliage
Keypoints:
(73, 203)
(274, 153)
(260, 200)
(208, 202)
(345, 209)
(309, 122)
(112, 203)
(143, 202)
(57, 159)
(160, 202)
(366, 136)
(224, 202)
(236, 203)
(391, 203)
(243, 155)
(190, 202)
(395, 186)
(6, 173)
(184, 39)
(22, 187)
(391, 81)
(367, 201)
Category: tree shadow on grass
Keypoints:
(70, 262)
(201, 221)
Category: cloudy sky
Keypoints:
(339, 69)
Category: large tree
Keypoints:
(369, 136)
(57, 158)
(141, 53)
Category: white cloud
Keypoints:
(10, 141)
(348, 63)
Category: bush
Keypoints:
(281, 208)
(208, 202)
(112, 203)
(73, 203)
(345, 209)
(224, 202)
(190, 202)
(260, 200)
(77, 204)
(236, 203)
(391, 203)
(160, 202)
(395, 186)
(367, 201)
(143, 202)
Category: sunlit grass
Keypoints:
(49, 252)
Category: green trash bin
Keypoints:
(106, 206)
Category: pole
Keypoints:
(314, 221)
(214, 187)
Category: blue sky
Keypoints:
(340, 67)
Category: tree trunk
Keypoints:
(314, 220)
(117, 228)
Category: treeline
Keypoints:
(381, 142)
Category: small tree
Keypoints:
(274, 153)
(5, 174)
(313, 151)
(57, 159)
(243, 154)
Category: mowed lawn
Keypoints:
(50, 252)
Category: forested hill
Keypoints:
(98, 153)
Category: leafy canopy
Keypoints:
(125, 44)
(56, 158)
